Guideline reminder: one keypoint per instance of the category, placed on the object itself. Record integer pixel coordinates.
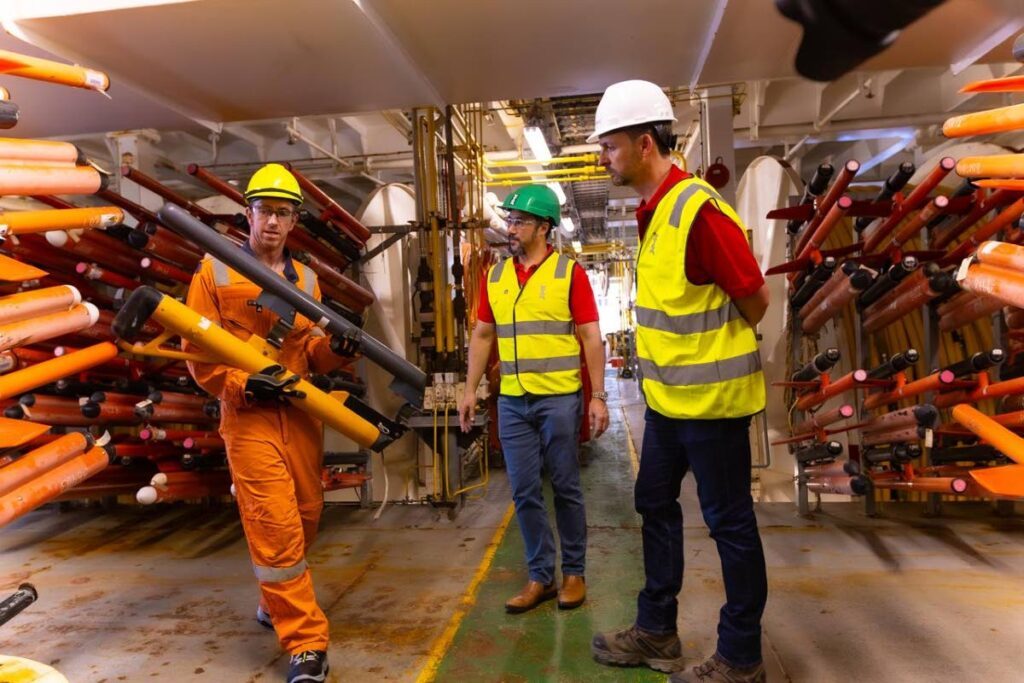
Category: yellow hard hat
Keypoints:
(273, 181)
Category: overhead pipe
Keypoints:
(943, 238)
(33, 376)
(927, 289)
(43, 459)
(36, 302)
(837, 301)
(411, 379)
(850, 485)
(831, 196)
(915, 200)
(158, 188)
(932, 382)
(893, 184)
(51, 484)
(48, 326)
(827, 391)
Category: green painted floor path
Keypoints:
(548, 644)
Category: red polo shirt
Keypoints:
(717, 250)
(581, 295)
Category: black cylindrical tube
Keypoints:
(15, 603)
(887, 280)
(817, 185)
(813, 282)
(893, 184)
(898, 363)
(977, 362)
(820, 451)
(823, 362)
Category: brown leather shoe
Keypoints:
(573, 592)
(532, 595)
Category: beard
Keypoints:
(515, 247)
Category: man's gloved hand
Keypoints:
(346, 345)
(267, 385)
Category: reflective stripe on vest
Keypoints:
(222, 276)
(697, 355)
(279, 574)
(537, 343)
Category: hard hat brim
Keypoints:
(273, 193)
(596, 135)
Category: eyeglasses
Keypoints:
(265, 212)
(519, 222)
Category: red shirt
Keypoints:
(717, 250)
(581, 295)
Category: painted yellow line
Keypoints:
(441, 645)
(634, 459)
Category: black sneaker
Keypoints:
(263, 618)
(310, 665)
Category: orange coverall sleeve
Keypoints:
(318, 349)
(223, 381)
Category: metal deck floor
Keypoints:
(138, 594)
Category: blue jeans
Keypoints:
(718, 452)
(541, 434)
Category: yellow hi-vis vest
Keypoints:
(697, 355)
(537, 343)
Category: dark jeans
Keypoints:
(718, 452)
(541, 433)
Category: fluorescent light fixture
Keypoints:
(577, 246)
(538, 145)
(557, 189)
(567, 225)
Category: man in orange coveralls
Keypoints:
(275, 450)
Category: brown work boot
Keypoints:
(717, 670)
(573, 592)
(635, 647)
(532, 595)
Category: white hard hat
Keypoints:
(630, 103)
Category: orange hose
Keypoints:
(1000, 254)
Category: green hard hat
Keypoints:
(539, 200)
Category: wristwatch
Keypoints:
(602, 395)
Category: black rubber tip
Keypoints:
(135, 312)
